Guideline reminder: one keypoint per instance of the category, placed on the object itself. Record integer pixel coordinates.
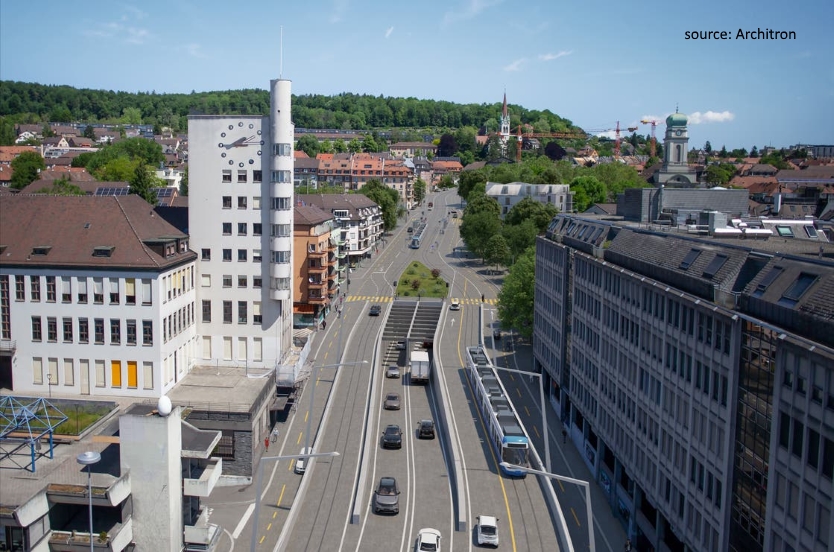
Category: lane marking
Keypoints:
(280, 497)
(298, 442)
(527, 410)
(269, 527)
(242, 523)
(537, 432)
(575, 518)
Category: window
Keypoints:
(784, 231)
(206, 310)
(797, 289)
(281, 230)
(130, 291)
(147, 332)
(256, 255)
(256, 282)
(37, 330)
(36, 288)
(227, 312)
(130, 332)
(67, 322)
(227, 255)
(767, 280)
(114, 291)
(241, 255)
(225, 446)
(689, 259)
(115, 331)
(281, 203)
(715, 265)
(147, 297)
(83, 330)
(66, 293)
(241, 178)
(50, 289)
(282, 149)
(206, 255)
(116, 373)
(227, 228)
(20, 288)
(51, 329)
(256, 312)
(828, 458)
(241, 228)
(810, 231)
(98, 328)
(227, 280)
(280, 256)
(227, 202)
(784, 430)
(281, 176)
(813, 452)
(241, 281)
(798, 434)
(256, 228)
(256, 176)
(241, 312)
(227, 176)
(82, 290)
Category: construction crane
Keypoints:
(654, 126)
(570, 135)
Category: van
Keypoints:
(301, 463)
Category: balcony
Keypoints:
(317, 300)
(317, 269)
(202, 536)
(206, 478)
(8, 346)
(116, 539)
(314, 254)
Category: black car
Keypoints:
(392, 437)
(375, 310)
(425, 430)
(496, 334)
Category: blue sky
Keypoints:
(592, 63)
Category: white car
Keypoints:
(301, 463)
(487, 531)
(428, 540)
(455, 305)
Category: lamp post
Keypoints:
(585, 484)
(544, 412)
(88, 459)
(260, 483)
(49, 385)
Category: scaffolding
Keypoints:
(24, 422)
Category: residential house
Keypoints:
(508, 195)
(412, 149)
(358, 221)
(306, 173)
(319, 273)
(397, 175)
(79, 142)
(365, 167)
(335, 170)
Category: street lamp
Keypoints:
(49, 385)
(544, 412)
(260, 483)
(585, 484)
(88, 459)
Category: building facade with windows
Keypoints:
(241, 220)
(97, 297)
(317, 261)
(508, 195)
(696, 376)
(358, 222)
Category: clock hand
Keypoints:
(237, 143)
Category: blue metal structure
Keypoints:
(24, 421)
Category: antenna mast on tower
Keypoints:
(281, 54)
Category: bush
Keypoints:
(435, 273)
(415, 284)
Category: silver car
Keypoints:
(392, 371)
(387, 496)
(392, 401)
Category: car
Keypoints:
(400, 346)
(387, 496)
(428, 540)
(410, 230)
(425, 429)
(487, 530)
(392, 401)
(374, 310)
(455, 305)
(393, 371)
(496, 333)
(392, 437)
(301, 463)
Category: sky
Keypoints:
(592, 63)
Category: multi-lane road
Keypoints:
(330, 507)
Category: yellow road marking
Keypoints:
(289, 466)
(325, 353)
(527, 410)
(299, 438)
(318, 379)
(537, 432)
(306, 414)
(269, 527)
(518, 390)
(262, 539)
(560, 485)
(574, 517)
(513, 379)
(274, 514)
(280, 497)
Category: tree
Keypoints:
(754, 152)
(339, 146)
(554, 151)
(588, 190)
(447, 147)
(89, 132)
(516, 298)
(467, 180)
(496, 250)
(184, 182)
(308, 144)
(708, 147)
(120, 169)
(47, 131)
(716, 176)
(63, 187)
(7, 132)
(520, 236)
(387, 199)
(354, 146)
(132, 116)
(25, 168)
(419, 190)
(144, 184)
(529, 209)
(723, 154)
(476, 229)
(482, 203)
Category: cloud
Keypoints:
(388, 31)
(472, 9)
(121, 29)
(340, 7)
(194, 50)
(516, 65)
(698, 118)
(557, 55)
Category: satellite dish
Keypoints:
(164, 406)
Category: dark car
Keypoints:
(410, 230)
(392, 437)
(496, 334)
(374, 310)
(425, 430)
(387, 496)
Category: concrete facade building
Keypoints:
(241, 218)
(508, 195)
(696, 376)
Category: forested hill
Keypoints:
(34, 103)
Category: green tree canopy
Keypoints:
(63, 187)
(419, 190)
(387, 199)
(308, 144)
(516, 298)
(496, 250)
(25, 169)
(479, 203)
(89, 132)
(477, 228)
(588, 190)
(529, 209)
(520, 236)
(467, 180)
(143, 183)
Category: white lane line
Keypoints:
(239, 529)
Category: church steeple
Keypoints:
(505, 124)
(504, 110)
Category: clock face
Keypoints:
(678, 133)
(240, 144)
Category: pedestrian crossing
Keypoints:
(389, 298)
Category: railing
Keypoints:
(8, 345)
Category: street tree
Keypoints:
(481, 202)
(387, 199)
(476, 229)
(308, 144)
(520, 236)
(496, 251)
(419, 190)
(588, 190)
(144, 184)
(25, 168)
(467, 180)
(516, 298)
(529, 209)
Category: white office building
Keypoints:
(241, 223)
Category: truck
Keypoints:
(420, 367)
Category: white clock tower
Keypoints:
(676, 171)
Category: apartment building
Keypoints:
(317, 260)
(97, 296)
(695, 373)
(365, 167)
(241, 219)
(399, 176)
(335, 170)
(358, 222)
(508, 195)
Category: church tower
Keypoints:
(505, 125)
(676, 170)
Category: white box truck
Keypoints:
(420, 367)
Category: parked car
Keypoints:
(387, 496)
(301, 463)
(425, 429)
(374, 310)
(428, 540)
(487, 531)
(392, 401)
(455, 305)
(393, 371)
(410, 230)
(400, 346)
(392, 437)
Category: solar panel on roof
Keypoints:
(110, 191)
(164, 192)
